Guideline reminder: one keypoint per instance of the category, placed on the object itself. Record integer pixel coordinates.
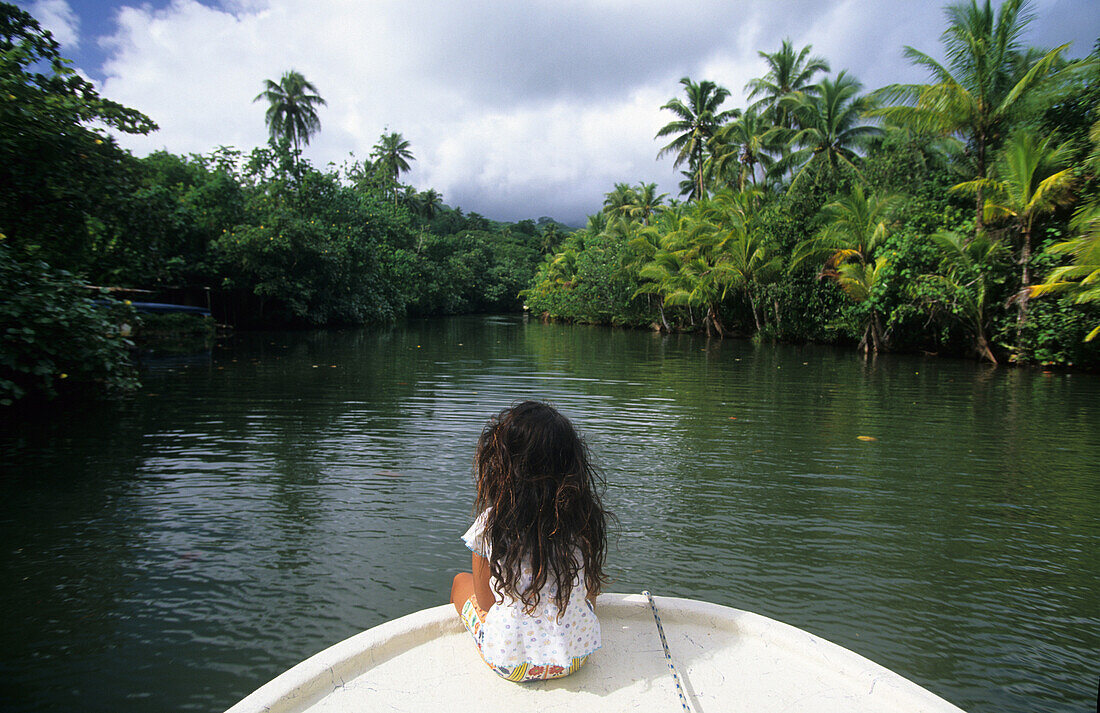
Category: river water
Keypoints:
(254, 505)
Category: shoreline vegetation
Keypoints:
(958, 217)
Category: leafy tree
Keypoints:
(855, 228)
(967, 278)
(59, 169)
(861, 282)
(985, 85)
(647, 202)
(54, 337)
(787, 72)
(292, 109)
(1026, 182)
(742, 145)
(393, 154)
(695, 125)
(313, 249)
(830, 127)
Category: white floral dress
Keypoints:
(509, 638)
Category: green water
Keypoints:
(253, 506)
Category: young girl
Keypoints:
(539, 543)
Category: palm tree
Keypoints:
(787, 72)
(647, 202)
(618, 202)
(967, 283)
(742, 145)
(431, 202)
(860, 281)
(1081, 279)
(596, 224)
(392, 154)
(830, 127)
(1026, 182)
(292, 108)
(855, 227)
(563, 268)
(985, 83)
(746, 262)
(697, 122)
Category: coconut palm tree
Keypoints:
(985, 83)
(619, 201)
(647, 202)
(392, 154)
(860, 281)
(967, 283)
(563, 268)
(292, 108)
(742, 145)
(1081, 279)
(696, 123)
(787, 72)
(596, 224)
(431, 202)
(855, 227)
(1026, 182)
(830, 128)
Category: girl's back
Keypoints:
(538, 545)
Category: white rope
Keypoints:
(668, 656)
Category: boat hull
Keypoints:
(729, 660)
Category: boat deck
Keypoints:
(730, 660)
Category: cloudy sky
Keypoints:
(513, 108)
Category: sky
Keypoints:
(513, 108)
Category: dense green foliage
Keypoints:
(54, 336)
(276, 242)
(954, 217)
(820, 213)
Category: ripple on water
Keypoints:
(177, 551)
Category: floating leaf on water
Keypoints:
(733, 418)
(867, 438)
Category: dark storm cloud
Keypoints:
(510, 52)
(515, 109)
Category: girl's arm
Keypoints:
(484, 593)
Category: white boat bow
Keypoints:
(729, 660)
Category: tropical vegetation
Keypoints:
(955, 217)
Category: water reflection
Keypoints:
(250, 508)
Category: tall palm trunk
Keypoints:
(1025, 281)
(980, 198)
(713, 318)
(755, 312)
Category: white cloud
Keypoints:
(57, 17)
(512, 109)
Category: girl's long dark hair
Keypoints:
(535, 477)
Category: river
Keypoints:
(249, 507)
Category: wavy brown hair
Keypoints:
(536, 478)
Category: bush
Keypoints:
(54, 338)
